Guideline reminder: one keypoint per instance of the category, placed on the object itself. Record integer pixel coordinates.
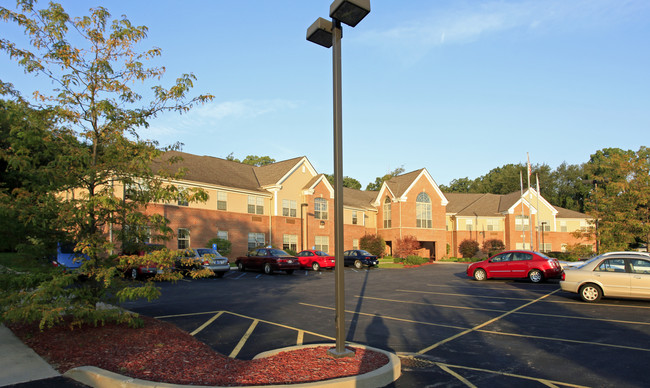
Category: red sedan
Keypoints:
(315, 259)
(535, 266)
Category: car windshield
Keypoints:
(278, 252)
(540, 254)
(321, 253)
(589, 261)
(364, 253)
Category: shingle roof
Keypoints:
(400, 183)
(473, 204)
(272, 173)
(566, 213)
(358, 198)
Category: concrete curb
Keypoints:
(100, 378)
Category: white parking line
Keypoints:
(243, 339)
(208, 322)
(241, 276)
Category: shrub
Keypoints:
(373, 244)
(493, 246)
(291, 252)
(224, 247)
(415, 260)
(406, 246)
(468, 248)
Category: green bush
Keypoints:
(224, 247)
(373, 244)
(415, 260)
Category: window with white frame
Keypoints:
(493, 224)
(255, 205)
(320, 209)
(563, 227)
(355, 220)
(255, 240)
(222, 200)
(469, 224)
(546, 247)
(387, 213)
(290, 241)
(355, 243)
(183, 238)
(222, 234)
(288, 208)
(182, 197)
(522, 223)
(322, 243)
(423, 211)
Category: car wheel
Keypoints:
(590, 292)
(267, 269)
(289, 271)
(480, 274)
(134, 274)
(358, 264)
(315, 266)
(240, 266)
(220, 274)
(535, 276)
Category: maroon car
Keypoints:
(268, 260)
(535, 266)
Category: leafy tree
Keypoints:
(224, 247)
(92, 61)
(493, 246)
(347, 182)
(468, 248)
(373, 243)
(376, 186)
(460, 185)
(406, 246)
(258, 161)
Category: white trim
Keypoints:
(443, 200)
(296, 167)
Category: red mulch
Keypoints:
(161, 352)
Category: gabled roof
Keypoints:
(210, 170)
(469, 204)
(359, 199)
(313, 182)
(566, 213)
(272, 174)
(508, 201)
(399, 186)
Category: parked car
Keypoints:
(66, 256)
(207, 258)
(521, 264)
(359, 258)
(146, 269)
(613, 274)
(268, 260)
(315, 260)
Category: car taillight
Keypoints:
(563, 275)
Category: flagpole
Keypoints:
(521, 199)
(538, 223)
(530, 211)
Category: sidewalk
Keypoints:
(19, 362)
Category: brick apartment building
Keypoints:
(290, 205)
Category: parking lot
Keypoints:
(448, 330)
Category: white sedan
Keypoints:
(613, 274)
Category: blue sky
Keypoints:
(459, 87)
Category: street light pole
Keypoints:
(327, 34)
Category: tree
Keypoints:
(460, 185)
(468, 248)
(376, 186)
(373, 243)
(493, 246)
(347, 182)
(92, 61)
(406, 246)
(258, 161)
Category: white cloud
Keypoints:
(241, 109)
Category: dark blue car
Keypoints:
(359, 258)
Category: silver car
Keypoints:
(613, 274)
(207, 258)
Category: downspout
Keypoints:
(303, 226)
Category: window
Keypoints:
(182, 197)
(547, 247)
(493, 224)
(545, 226)
(183, 238)
(522, 223)
(612, 265)
(387, 213)
(355, 243)
(563, 227)
(290, 241)
(288, 208)
(640, 266)
(469, 225)
(222, 234)
(222, 200)
(355, 220)
(521, 256)
(423, 211)
(255, 205)
(255, 240)
(322, 243)
(320, 209)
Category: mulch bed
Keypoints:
(161, 352)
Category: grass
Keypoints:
(388, 263)
(21, 263)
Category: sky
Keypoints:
(458, 87)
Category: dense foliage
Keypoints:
(224, 247)
(493, 246)
(408, 245)
(468, 248)
(65, 159)
(374, 244)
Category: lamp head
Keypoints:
(320, 32)
(350, 12)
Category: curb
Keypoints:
(100, 378)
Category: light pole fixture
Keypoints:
(328, 34)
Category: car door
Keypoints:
(640, 280)
(498, 266)
(519, 265)
(347, 257)
(612, 275)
